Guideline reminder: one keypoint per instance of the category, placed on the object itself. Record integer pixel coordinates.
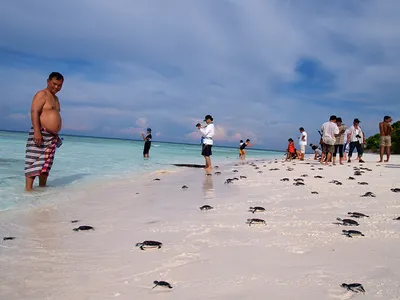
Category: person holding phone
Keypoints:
(357, 139)
(207, 135)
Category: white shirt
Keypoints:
(303, 142)
(353, 134)
(208, 133)
(329, 129)
(345, 136)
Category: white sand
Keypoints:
(298, 254)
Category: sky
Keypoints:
(262, 69)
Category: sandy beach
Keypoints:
(299, 253)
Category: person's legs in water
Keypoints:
(146, 151)
(42, 180)
(29, 183)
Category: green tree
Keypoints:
(373, 142)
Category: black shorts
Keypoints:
(206, 151)
(146, 149)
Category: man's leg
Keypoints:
(359, 152)
(335, 153)
(387, 154)
(323, 153)
(328, 158)
(302, 151)
(29, 183)
(382, 151)
(208, 163)
(351, 149)
(341, 154)
(42, 180)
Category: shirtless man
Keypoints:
(385, 131)
(43, 136)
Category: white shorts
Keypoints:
(303, 149)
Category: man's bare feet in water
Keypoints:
(208, 170)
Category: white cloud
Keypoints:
(167, 64)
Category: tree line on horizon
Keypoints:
(373, 142)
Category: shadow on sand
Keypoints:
(392, 166)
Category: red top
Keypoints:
(291, 147)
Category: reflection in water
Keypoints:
(208, 187)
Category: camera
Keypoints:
(358, 136)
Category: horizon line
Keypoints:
(138, 140)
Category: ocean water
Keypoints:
(82, 160)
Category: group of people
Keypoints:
(292, 152)
(43, 137)
(336, 139)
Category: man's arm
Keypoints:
(205, 131)
(390, 129)
(36, 109)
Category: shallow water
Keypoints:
(83, 161)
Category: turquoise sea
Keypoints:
(86, 159)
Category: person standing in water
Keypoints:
(207, 133)
(43, 136)
(147, 143)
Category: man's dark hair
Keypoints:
(241, 141)
(386, 118)
(247, 140)
(56, 75)
(332, 118)
(301, 128)
(290, 140)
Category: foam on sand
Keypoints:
(211, 254)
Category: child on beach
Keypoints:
(291, 151)
(243, 149)
(240, 151)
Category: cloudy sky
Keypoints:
(261, 68)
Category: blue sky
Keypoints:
(261, 68)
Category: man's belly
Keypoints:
(51, 120)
